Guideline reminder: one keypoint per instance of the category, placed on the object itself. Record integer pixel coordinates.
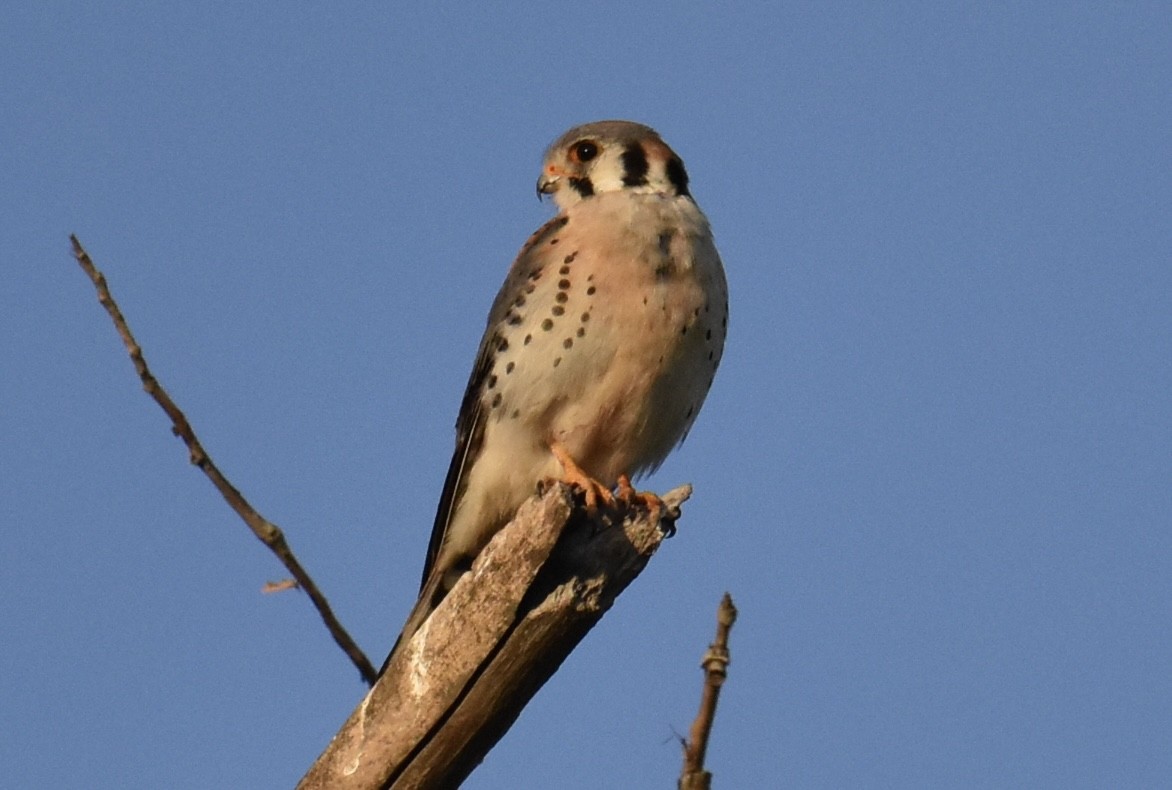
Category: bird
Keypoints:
(599, 349)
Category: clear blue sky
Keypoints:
(935, 470)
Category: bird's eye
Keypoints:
(584, 151)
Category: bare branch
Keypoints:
(268, 533)
(461, 681)
(715, 665)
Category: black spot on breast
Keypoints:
(557, 362)
(530, 288)
(553, 242)
(558, 309)
(504, 345)
(581, 331)
(634, 160)
(535, 274)
(563, 284)
(514, 319)
(516, 413)
(590, 291)
(570, 258)
(528, 338)
(491, 381)
(568, 342)
(547, 325)
(562, 297)
(585, 317)
(496, 400)
(564, 270)
(509, 367)
(708, 335)
(683, 331)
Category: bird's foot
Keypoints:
(594, 492)
(630, 498)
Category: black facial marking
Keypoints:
(678, 176)
(635, 166)
(583, 186)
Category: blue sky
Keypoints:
(935, 470)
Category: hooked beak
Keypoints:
(548, 183)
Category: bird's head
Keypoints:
(609, 156)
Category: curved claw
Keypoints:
(594, 491)
(630, 498)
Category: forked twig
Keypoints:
(268, 533)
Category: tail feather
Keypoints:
(429, 598)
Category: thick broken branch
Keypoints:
(533, 593)
(268, 533)
(715, 665)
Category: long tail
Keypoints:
(429, 598)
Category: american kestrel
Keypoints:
(600, 347)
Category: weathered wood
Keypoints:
(533, 593)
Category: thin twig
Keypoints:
(715, 665)
(268, 533)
